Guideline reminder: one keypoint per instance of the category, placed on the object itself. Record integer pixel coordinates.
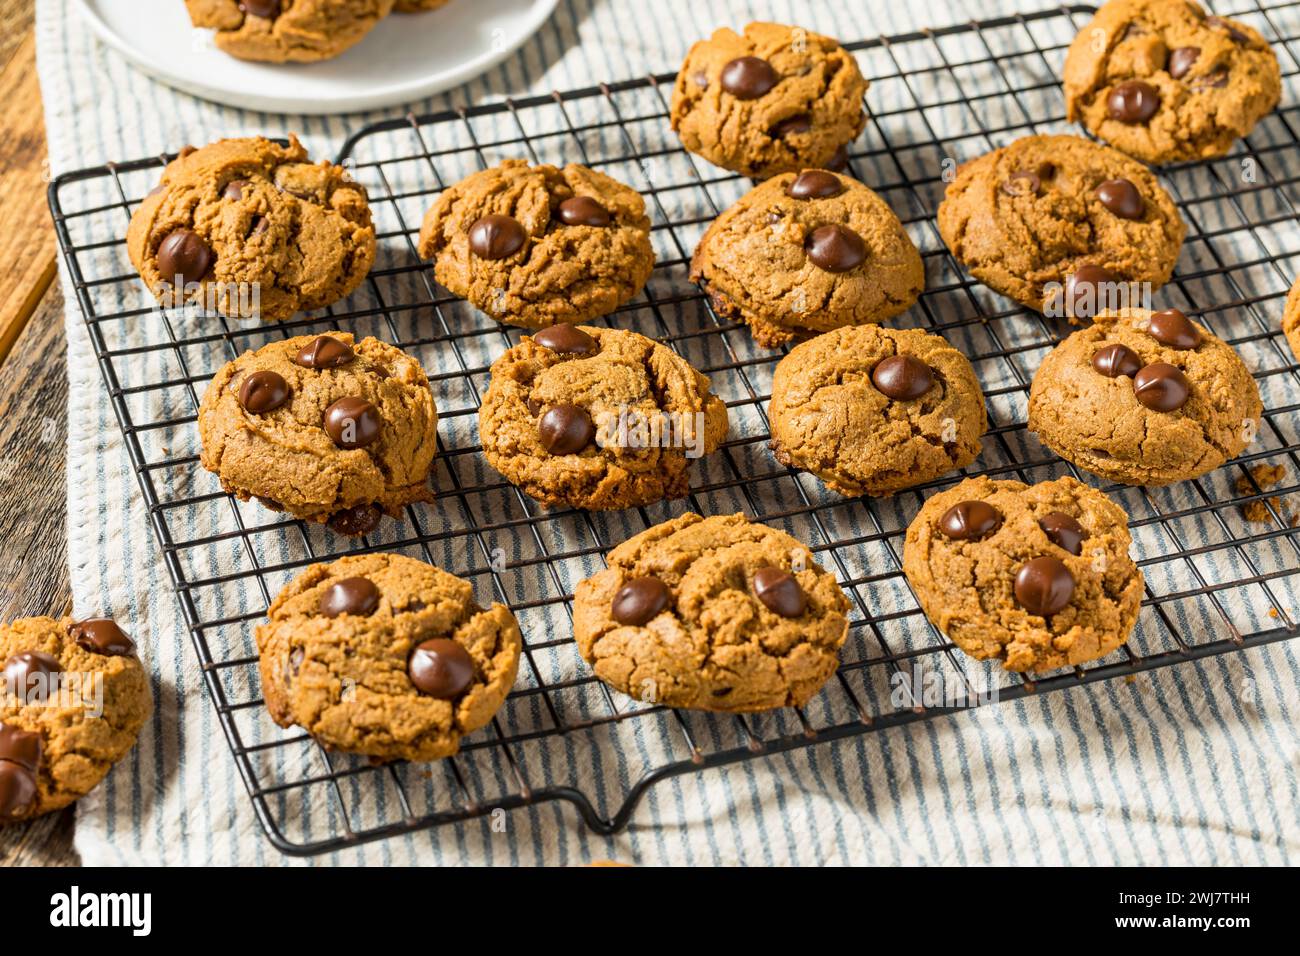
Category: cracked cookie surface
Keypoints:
(1034, 217)
(536, 245)
(384, 655)
(773, 99)
(287, 31)
(347, 435)
(248, 214)
(717, 613)
(871, 411)
(987, 557)
(595, 418)
(803, 254)
(1163, 82)
(1121, 403)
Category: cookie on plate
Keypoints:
(1035, 576)
(1164, 82)
(384, 655)
(72, 701)
(287, 31)
(715, 613)
(871, 411)
(597, 418)
(805, 253)
(1061, 224)
(537, 245)
(251, 229)
(1291, 319)
(1144, 399)
(324, 427)
(772, 100)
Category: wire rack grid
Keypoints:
(1216, 582)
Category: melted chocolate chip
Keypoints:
(441, 668)
(324, 351)
(1116, 360)
(263, 391)
(1161, 387)
(1133, 101)
(1122, 198)
(1063, 531)
(749, 77)
(566, 429)
(1228, 27)
(1216, 80)
(235, 189)
(101, 636)
(970, 520)
(835, 248)
(567, 340)
(1022, 183)
(17, 791)
(1044, 586)
(32, 676)
(791, 125)
(639, 601)
(1172, 328)
(357, 596)
(902, 377)
(184, 255)
(266, 9)
(1084, 292)
(495, 237)
(583, 211)
(1182, 60)
(815, 184)
(357, 520)
(780, 592)
(353, 423)
(22, 747)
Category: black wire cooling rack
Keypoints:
(1216, 582)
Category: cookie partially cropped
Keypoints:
(805, 253)
(387, 656)
(537, 245)
(252, 229)
(597, 418)
(1291, 319)
(1061, 224)
(1035, 576)
(871, 410)
(771, 100)
(72, 702)
(1145, 399)
(288, 31)
(717, 613)
(1164, 82)
(324, 427)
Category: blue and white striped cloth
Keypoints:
(1195, 764)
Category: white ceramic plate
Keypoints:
(405, 57)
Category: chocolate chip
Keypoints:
(700, 78)
(970, 520)
(101, 636)
(749, 77)
(1022, 183)
(357, 596)
(639, 601)
(357, 520)
(583, 211)
(263, 391)
(1211, 81)
(1181, 60)
(235, 189)
(21, 747)
(1044, 586)
(566, 429)
(266, 9)
(495, 237)
(295, 660)
(1063, 531)
(835, 248)
(1133, 101)
(1172, 328)
(183, 254)
(353, 423)
(1116, 360)
(799, 123)
(1218, 23)
(1161, 387)
(839, 160)
(1084, 295)
(32, 676)
(567, 340)
(1122, 198)
(17, 791)
(780, 592)
(1045, 171)
(902, 377)
(441, 668)
(815, 184)
(324, 351)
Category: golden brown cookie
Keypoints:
(323, 427)
(288, 31)
(1164, 82)
(715, 613)
(1035, 576)
(802, 254)
(871, 411)
(772, 100)
(384, 655)
(537, 245)
(72, 701)
(597, 418)
(1144, 399)
(1291, 319)
(251, 229)
(1061, 224)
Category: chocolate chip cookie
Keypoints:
(384, 655)
(288, 31)
(1144, 399)
(251, 229)
(537, 245)
(772, 100)
(597, 418)
(72, 701)
(324, 427)
(871, 411)
(1035, 576)
(1291, 318)
(715, 613)
(1164, 82)
(1062, 225)
(805, 253)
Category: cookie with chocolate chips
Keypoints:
(597, 418)
(288, 31)
(805, 253)
(1164, 82)
(715, 613)
(73, 698)
(1146, 398)
(323, 427)
(1035, 576)
(384, 655)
